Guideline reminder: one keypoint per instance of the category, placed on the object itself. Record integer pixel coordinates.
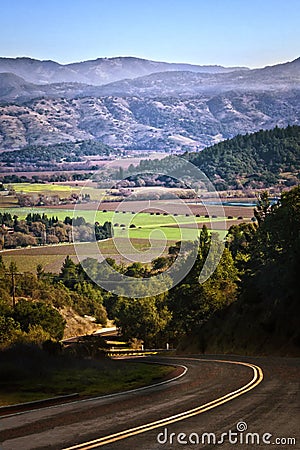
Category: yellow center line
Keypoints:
(256, 380)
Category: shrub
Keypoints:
(29, 314)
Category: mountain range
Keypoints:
(96, 72)
(133, 103)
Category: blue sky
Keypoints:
(251, 33)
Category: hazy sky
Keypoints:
(251, 33)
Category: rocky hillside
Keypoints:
(146, 123)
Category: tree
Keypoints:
(160, 263)
(141, 318)
(274, 266)
(68, 273)
(136, 270)
(191, 303)
(239, 237)
(39, 271)
(266, 314)
(263, 207)
(29, 314)
(89, 301)
(38, 229)
(9, 330)
(18, 239)
(13, 270)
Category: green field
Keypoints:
(161, 230)
(42, 187)
(138, 219)
(62, 190)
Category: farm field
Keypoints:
(136, 225)
(139, 227)
(7, 201)
(51, 257)
(140, 219)
(178, 207)
(63, 190)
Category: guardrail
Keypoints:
(135, 352)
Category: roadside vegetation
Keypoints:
(29, 373)
(265, 317)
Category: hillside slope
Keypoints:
(187, 123)
(265, 157)
(255, 160)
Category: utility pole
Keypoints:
(13, 271)
(13, 289)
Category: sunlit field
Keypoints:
(142, 229)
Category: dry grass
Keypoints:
(51, 257)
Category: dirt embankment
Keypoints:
(77, 325)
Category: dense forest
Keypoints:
(253, 160)
(256, 160)
(249, 305)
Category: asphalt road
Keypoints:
(270, 411)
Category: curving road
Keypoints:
(212, 397)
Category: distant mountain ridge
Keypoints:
(97, 72)
(179, 83)
(15, 88)
(163, 110)
(157, 79)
